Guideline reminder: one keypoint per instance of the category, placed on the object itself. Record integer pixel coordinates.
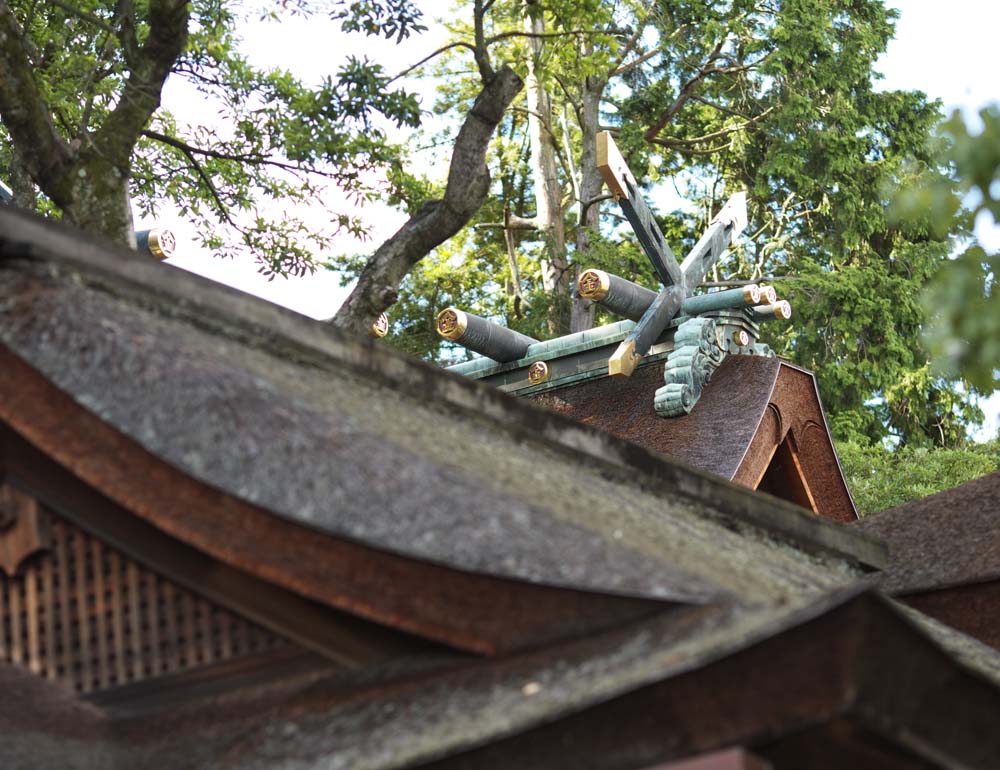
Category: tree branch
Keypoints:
(258, 160)
(515, 273)
(538, 35)
(763, 278)
(635, 62)
(168, 21)
(437, 221)
(125, 21)
(686, 92)
(484, 43)
(630, 45)
(719, 107)
(481, 50)
(438, 52)
(584, 205)
(688, 150)
(26, 115)
(81, 14)
(96, 75)
(223, 209)
(513, 222)
(675, 142)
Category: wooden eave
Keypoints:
(283, 575)
(849, 681)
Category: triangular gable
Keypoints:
(751, 407)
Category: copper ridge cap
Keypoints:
(66, 254)
(557, 347)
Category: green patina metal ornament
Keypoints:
(678, 280)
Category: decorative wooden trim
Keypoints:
(22, 530)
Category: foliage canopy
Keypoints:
(708, 98)
(962, 300)
(881, 478)
(75, 69)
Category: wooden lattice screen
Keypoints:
(87, 615)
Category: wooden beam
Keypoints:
(22, 530)
(636, 345)
(614, 170)
(623, 186)
(722, 231)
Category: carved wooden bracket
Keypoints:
(697, 353)
(701, 344)
(23, 528)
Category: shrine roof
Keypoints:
(845, 661)
(368, 444)
(947, 539)
(751, 404)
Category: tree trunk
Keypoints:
(436, 221)
(591, 185)
(556, 277)
(21, 184)
(100, 200)
(88, 177)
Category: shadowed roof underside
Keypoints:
(841, 678)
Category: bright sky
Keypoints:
(949, 52)
(311, 48)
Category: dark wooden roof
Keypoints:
(364, 450)
(944, 540)
(849, 681)
(750, 406)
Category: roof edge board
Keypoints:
(944, 657)
(795, 652)
(756, 431)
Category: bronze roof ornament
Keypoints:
(539, 373)
(158, 241)
(381, 326)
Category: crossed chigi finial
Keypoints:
(678, 281)
(710, 325)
